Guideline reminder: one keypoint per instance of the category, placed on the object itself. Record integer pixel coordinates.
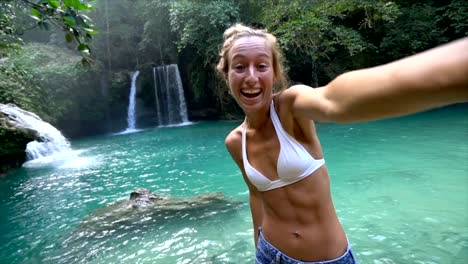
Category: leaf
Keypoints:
(69, 20)
(68, 37)
(77, 4)
(53, 3)
(86, 52)
(36, 13)
(35, 18)
(85, 17)
(68, 3)
(82, 47)
(90, 31)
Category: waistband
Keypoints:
(267, 248)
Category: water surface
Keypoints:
(400, 187)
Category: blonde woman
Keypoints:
(277, 148)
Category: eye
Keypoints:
(262, 66)
(239, 67)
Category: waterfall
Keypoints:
(169, 97)
(53, 141)
(170, 100)
(180, 91)
(131, 103)
(158, 108)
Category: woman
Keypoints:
(277, 148)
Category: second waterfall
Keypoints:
(171, 108)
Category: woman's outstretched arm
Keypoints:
(430, 79)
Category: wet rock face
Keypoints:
(24, 135)
(13, 140)
(142, 197)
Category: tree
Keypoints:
(199, 27)
(41, 78)
(121, 26)
(67, 15)
(317, 30)
(8, 38)
(158, 40)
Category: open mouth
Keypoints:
(251, 93)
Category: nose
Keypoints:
(251, 75)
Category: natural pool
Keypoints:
(400, 187)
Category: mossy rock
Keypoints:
(13, 141)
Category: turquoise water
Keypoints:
(400, 188)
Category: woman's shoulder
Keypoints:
(293, 121)
(234, 138)
(233, 143)
(285, 99)
(292, 92)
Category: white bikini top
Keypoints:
(294, 161)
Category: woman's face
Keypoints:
(251, 74)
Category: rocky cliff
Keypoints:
(13, 140)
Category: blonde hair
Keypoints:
(238, 31)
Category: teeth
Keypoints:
(251, 91)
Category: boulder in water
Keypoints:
(143, 204)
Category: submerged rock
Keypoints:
(144, 206)
(143, 214)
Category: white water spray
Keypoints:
(170, 105)
(131, 104)
(53, 141)
(158, 108)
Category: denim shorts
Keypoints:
(267, 254)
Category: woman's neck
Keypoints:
(258, 119)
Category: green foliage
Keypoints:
(318, 31)
(17, 87)
(67, 15)
(320, 39)
(8, 39)
(402, 40)
(453, 18)
(158, 39)
(199, 27)
(120, 24)
(200, 24)
(41, 78)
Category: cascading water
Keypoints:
(131, 103)
(170, 101)
(158, 108)
(180, 92)
(53, 141)
(169, 97)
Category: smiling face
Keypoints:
(251, 75)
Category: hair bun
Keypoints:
(236, 29)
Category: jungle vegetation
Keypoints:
(69, 60)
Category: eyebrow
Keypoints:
(263, 54)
